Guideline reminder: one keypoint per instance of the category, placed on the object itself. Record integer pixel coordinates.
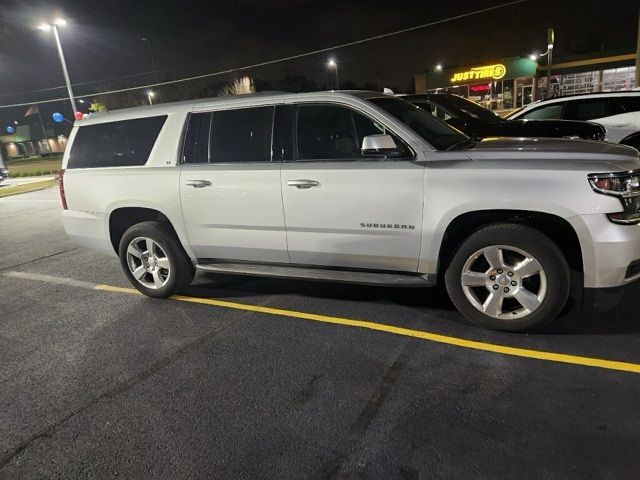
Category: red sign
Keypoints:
(479, 88)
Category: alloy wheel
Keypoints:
(504, 282)
(148, 263)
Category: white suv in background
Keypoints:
(617, 112)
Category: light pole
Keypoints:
(61, 22)
(549, 54)
(153, 63)
(150, 95)
(333, 64)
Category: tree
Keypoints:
(239, 86)
(114, 101)
(97, 107)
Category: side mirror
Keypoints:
(379, 146)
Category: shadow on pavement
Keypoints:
(578, 319)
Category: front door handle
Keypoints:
(197, 183)
(302, 183)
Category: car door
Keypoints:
(342, 209)
(230, 187)
(624, 117)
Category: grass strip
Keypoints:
(27, 187)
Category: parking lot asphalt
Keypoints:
(255, 378)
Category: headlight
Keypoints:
(625, 186)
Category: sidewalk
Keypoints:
(10, 182)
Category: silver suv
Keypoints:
(353, 187)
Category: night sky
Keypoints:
(103, 39)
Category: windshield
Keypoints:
(440, 135)
(514, 113)
(466, 107)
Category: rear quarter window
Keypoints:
(546, 112)
(586, 109)
(125, 143)
(621, 105)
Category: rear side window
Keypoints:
(125, 143)
(196, 141)
(587, 109)
(242, 135)
(620, 105)
(548, 112)
(283, 128)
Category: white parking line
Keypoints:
(51, 279)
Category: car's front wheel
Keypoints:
(154, 261)
(508, 277)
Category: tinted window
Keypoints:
(620, 105)
(283, 125)
(334, 132)
(435, 131)
(116, 144)
(326, 132)
(462, 107)
(433, 109)
(196, 141)
(242, 135)
(549, 112)
(587, 109)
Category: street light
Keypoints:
(549, 55)
(333, 64)
(438, 68)
(61, 22)
(153, 63)
(150, 95)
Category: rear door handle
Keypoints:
(302, 183)
(197, 183)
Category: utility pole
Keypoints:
(550, 41)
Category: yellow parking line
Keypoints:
(380, 327)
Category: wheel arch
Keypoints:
(556, 228)
(632, 140)
(122, 218)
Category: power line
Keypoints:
(81, 84)
(283, 59)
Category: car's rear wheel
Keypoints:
(154, 261)
(508, 277)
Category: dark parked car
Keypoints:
(480, 122)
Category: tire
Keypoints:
(632, 140)
(165, 272)
(494, 281)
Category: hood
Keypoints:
(557, 123)
(557, 151)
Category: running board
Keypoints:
(320, 274)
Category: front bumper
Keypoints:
(608, 250)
